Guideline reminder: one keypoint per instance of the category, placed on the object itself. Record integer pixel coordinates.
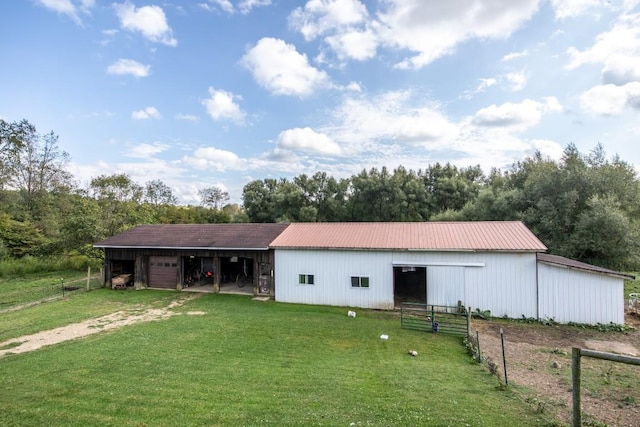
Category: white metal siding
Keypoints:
(332, 271)
(445, 285)
(504, 283)
(568, 295)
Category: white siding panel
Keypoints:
(505, 285)
(568, 295)
(332, 272)
(445, 285)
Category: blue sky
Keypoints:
(222, 92)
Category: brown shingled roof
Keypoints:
(449, 236)
(577, 265)
(210, 236)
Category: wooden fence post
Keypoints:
(88, 277)
(576, 355)
(575, 374)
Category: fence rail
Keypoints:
(435, 318)
(576, 374)
(15, 299)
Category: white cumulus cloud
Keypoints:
(433, 29)
(144, 151)
(517, 80)
(570, 8)
(358, 45)
(146, 113)
(611, 100)
(516, 116)
(69, 8)
(393, 117)
(515, 55)
(244, 6)
(281, 69)
(215, 158)
(150, 21)
(221, 105)
(319, 17)
(129, 66)
(306, 139)
(188, 117)
(618, 50)
(345, 26)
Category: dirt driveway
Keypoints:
(88, 327)
(539, 358)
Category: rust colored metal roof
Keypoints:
(431, 236)
(186, 236)
(577, 265)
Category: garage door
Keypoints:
(163, 272)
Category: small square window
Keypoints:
(359, 282)
(305, 279)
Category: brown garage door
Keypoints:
(163, 272)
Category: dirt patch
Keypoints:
(539, 358)
(88, 327)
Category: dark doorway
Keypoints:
(198, 271)
(122, 273)
(235, 269)
(410, 284)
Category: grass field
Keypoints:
(632, 286)
(244, 362)
(25, 289)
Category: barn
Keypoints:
(496, 266)
(180, 256)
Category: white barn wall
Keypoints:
(505, 284)
(569, 295)
(332, 272)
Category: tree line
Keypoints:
(583, 206)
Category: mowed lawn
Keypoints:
(229, 360)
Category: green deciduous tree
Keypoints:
(157, 193)
(20, 238)
(213, 197)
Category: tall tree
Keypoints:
(213, 197)
(158, 193)
(258, 198)
(32, 163)
(119, 198)
(450, 188)
(12, 137)
(371, 194)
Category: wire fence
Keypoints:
(37, 293)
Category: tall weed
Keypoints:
(33, 265)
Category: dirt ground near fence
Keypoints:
(539, 358)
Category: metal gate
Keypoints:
(435, 318)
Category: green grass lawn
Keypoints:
(19, 290)
(249, 363)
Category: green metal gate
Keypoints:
(435, 318)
